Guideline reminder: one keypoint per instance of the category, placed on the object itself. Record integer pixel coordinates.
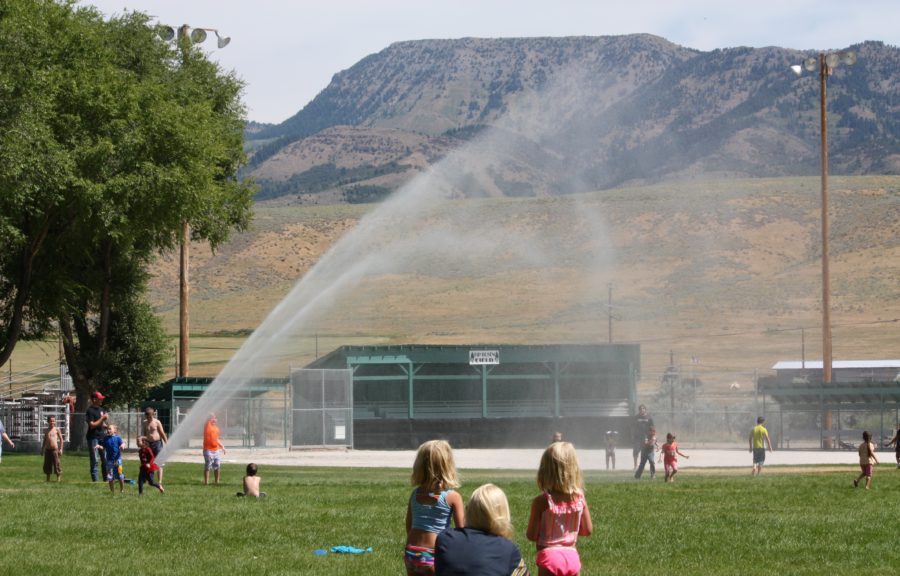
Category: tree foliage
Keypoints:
(110, 139)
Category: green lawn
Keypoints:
(709, 522)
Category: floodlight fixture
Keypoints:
(825, 64)
(193, 35)
(829, 61)
(185, 38)
(198, 35)
(167, 33)
(222, 41)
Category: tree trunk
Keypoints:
(23, 291)
(80, 381)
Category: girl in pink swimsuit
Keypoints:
(560, 514)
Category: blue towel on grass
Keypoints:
(350, 550)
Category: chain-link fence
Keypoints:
(322, 408)
(260, 420)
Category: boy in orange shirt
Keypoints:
(212, 449)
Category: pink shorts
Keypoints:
(866, 469)
(559, 561)
(671, 467)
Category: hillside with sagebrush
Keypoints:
(724, 271)
(577, 114)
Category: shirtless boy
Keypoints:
(52, 447)
(251, 483)
(154, 433)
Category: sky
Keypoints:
(286, 51)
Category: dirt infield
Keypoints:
(520, 459)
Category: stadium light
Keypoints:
(186, 37)
(825, 64)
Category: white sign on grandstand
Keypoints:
(483, 357)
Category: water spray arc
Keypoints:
(423, 228)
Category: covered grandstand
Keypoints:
(487, 395)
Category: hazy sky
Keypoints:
(288, 50)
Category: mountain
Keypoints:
(550, 116)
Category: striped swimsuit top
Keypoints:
(560, 522)
(431, 517)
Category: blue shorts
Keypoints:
(114, 470)
(212, 459)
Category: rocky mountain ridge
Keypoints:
(551, 116)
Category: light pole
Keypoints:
(186, 37)
(825, 64)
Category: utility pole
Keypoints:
(803, 349)
(609, 317)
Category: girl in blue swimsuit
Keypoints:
(431, 505)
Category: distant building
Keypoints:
(862, 394)
(485, 395)
(798, 372)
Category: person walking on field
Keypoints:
(895, 442)
(155, 435)
(668, 455)
(212, 449)
(148, 467)
(640, 428)
(96, 419)
(759, 441)
(867, 460)
(5, 438)
(648, 455)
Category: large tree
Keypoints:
(110, 139)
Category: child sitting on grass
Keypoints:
(251, 483)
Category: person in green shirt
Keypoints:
(759, 441)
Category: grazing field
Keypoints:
(788, 521)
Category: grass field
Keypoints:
(709, 522)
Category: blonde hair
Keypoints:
(488, 510)
(434, 466)
(559, 470)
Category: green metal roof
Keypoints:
(459, 354)
(195, 386)
(844, 393)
